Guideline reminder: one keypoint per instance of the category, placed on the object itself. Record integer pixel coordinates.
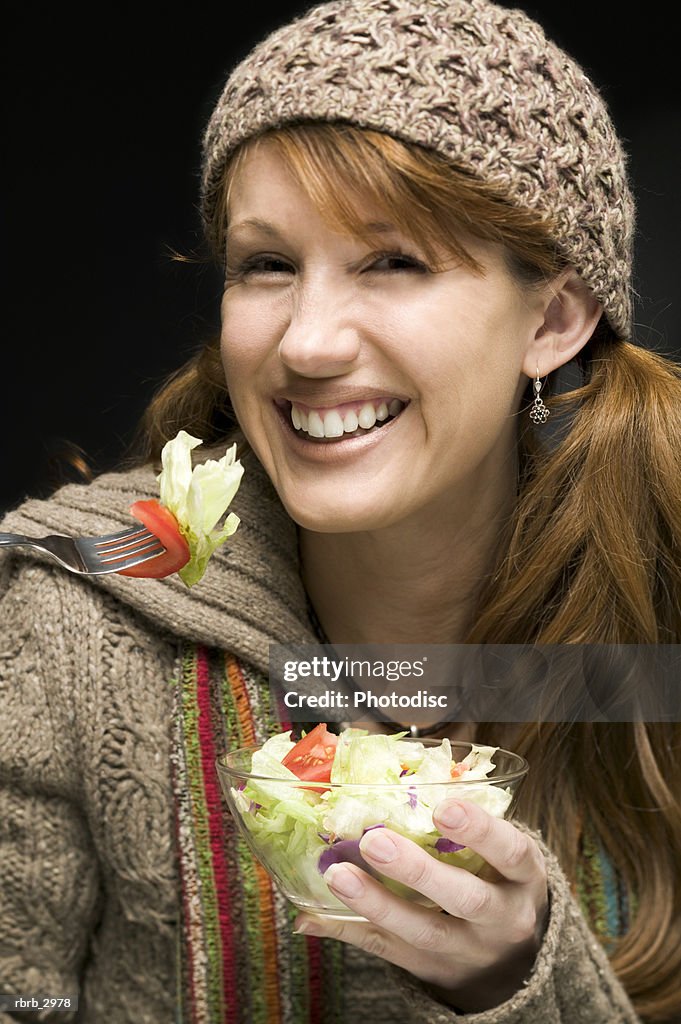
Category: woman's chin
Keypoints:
(333, 518)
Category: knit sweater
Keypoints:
(89, 886)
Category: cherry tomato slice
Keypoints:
(157, 518)
(312, 757)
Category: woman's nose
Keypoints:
(320, 339)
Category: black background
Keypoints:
(104, 115)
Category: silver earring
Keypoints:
(538, 413)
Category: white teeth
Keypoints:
(315, 427)
(333, 424)
(350, 423)
(367, 416)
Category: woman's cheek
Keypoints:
(251, 330)
(241, 355)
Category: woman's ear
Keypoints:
(571, 313)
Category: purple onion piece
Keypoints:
(253, 807)
(242, 786)
(324, 836)
(413, 799)
(403, 772)
(345, 851)
(448, 846)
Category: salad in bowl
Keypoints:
(304, 806)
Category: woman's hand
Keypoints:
(479, 952)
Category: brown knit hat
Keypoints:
(476, 82)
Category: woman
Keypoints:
(423, 213)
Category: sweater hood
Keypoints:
(251, 594)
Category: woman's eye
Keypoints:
(270, 265)
(391, 261)
(254, 265)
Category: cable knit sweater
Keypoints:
(89, 890)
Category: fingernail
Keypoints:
(378, 845)
(453, 816)
(304, 928)
(343, 881)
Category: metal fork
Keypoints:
(94, 555)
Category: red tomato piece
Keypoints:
(157, 518)
(312, 757)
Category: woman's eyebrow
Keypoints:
(380, 227)
(266, 227)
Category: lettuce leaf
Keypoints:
(198, 497)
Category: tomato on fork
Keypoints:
(163, 524)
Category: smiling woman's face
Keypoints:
(372, 387)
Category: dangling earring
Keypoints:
(538, 413)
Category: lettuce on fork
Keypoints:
(198, 497)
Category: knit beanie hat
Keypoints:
(477, 83)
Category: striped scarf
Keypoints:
(238, 961)
(607, 904)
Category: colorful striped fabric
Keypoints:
(606, 903)
(237, 958)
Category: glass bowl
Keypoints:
(294, 843)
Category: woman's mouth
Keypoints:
(341, 422)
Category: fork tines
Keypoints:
(118, 546)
